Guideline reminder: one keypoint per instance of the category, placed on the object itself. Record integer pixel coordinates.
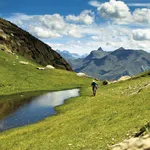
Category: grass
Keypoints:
(83, 123)
(16, 77)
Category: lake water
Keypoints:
(15, 114)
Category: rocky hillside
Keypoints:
(15, 40)
(113, 65)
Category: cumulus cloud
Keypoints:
(109, 36)
(74, 33)
(120, 13)
(55, 21)
(19, 18)
(47, 26)
(41, 26)
(115, 36)
(85, 17)
(95, 3)
(141, 34)
(142, 16)
(43, 33)
(114, 10)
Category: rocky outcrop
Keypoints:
(15, 40)
(139, 142)
(142, 143)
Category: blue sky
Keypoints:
(83, 25)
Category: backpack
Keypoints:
(94, 84)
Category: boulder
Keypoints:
(81, 74)
(40, 68)
(50, 67)
(24, 62)
(123, 78)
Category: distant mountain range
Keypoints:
(112, 65)
(70, 56)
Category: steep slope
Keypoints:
(118, 63)
(16, 77)
(16, 40)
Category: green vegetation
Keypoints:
(16, 77)
(84, 123)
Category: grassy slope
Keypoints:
(18, 78)
(86, 122)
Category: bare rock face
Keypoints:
(15, 40)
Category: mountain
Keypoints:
(15, 40)
(96, 54)
(118, 63)
(82, 61)
(70, 56)
(75, 60)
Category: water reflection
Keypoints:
(14, 114)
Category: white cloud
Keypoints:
(110, 44)
(142, 46)
(41, 26)
(139, 4)
(72, 46)
(55, 21)
(96, 37)
(43, 33)
(115, 10)
(95, 3)
(46, 26)
(19, 18)
(91, 36)
(141, 34)
(85, 17)
(109, 38)
(142, 16)
(120, 13)
(74, 33)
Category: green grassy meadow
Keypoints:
(117, 112)
(16, 77)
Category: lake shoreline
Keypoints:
(41, 98)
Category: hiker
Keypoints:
(94, 87)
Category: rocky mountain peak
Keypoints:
(100, 49)
(121, 48)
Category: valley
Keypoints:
(117, 112)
